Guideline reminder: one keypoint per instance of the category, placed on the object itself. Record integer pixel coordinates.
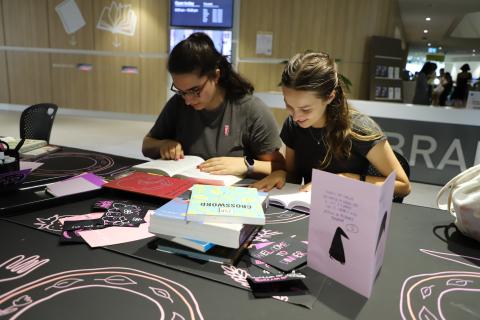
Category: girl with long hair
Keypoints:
(324, 132)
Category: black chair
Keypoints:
(36, 121)
(372, 171)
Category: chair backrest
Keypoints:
(36, 121)
(372, 171)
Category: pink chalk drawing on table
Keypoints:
(421, 295)
(52, 223)
(19, 266)
(172, 299)
(92, 162)
(284, 216)
(118, 19)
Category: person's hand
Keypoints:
(171, 150)
(306, 187)
(275, 180)
(224, 165)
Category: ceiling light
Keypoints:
(473, 51)
(427, 19)
(440, 48)
(429, 44)
(425, 31)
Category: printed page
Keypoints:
(169, 167)
(290, 195)
(208, 178)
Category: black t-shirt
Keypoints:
(310, 149)
(242, 127)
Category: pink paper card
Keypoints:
(115, 235)
(348, 228)
(29, 165)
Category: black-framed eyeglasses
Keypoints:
(194, 92)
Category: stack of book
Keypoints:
(182, 230)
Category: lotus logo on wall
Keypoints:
(118, 19)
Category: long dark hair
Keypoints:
(197, 54)
(317, 72)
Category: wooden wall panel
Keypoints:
(2, 38)
(310, 27)
(264, 76)
(4, 95)
(26, 23)
(29, 77)
(341, 28)
(108, 41)
(358, 74)
(280, 114)
(81, 39)
(114, 90)
(72, 88)
(154, 26)
(266, 15)
(153, 85)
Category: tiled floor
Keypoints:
(122, 134)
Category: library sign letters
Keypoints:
(436, 152)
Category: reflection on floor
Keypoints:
(122, 135)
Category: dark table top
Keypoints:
(58, 166)
(430, 270)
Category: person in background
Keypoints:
(213, 115)
(460, 93)
(324, 132)
(423, 88)
(447, 83)
(437, 91)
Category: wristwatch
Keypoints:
(249, 162)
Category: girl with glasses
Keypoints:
(324, 132)
(213, 115)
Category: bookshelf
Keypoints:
(386, 63)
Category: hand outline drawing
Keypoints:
(19, 266)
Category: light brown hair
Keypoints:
(317, 72)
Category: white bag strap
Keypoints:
(462, 177)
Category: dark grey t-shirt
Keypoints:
(310, 149)
(242, 127)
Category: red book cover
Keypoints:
(151, 184)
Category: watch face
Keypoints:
(249, 161)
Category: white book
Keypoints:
(28, 145)
(186, 168)
(169, 220)
(290, 197)
(202, 246)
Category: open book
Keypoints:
(186, 168)
(291, 198)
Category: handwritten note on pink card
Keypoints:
(348, 228)
(115, 235)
